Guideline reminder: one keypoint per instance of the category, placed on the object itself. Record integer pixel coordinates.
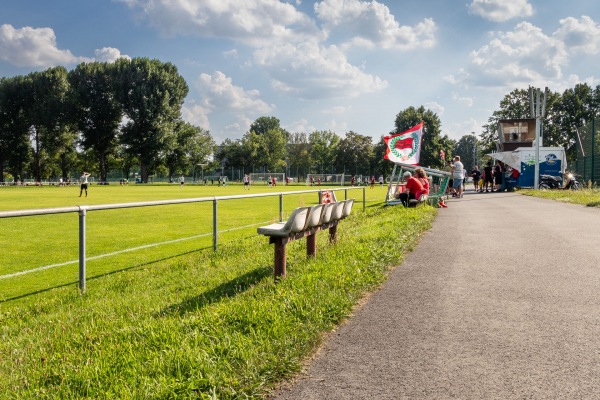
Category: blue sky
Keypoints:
(335, 65)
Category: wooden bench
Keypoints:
(305, 222)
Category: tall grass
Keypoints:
(202, 325)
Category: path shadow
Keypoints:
(224, 290)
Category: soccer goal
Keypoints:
(264, 177)
(326, 179)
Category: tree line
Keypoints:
(99, 116)
(267, 147)
(126, 115)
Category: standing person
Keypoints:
(380, 180)
(246, 182)
(372, 181)
(352, 180)
(476, 174)
(414, 189)
(497, 178)
(488, 177)
(450, 188)
(312, 181)
(181, 181)
(84, 183)
(457, 176)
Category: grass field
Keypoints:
(125, 238)
(179, 323)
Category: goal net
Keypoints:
(326, 179)
(264, 177)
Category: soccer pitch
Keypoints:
(41, 252)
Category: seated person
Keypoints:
(414, 189)
(422, 177)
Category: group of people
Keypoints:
(490, 179)
(415, 187)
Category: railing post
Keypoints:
(82, 214)
(320, 194)
(215, 224)
(345, 194)
(364, 198)
(280, 207)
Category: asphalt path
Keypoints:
(500, 300)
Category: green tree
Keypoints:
(192, 147)
(323, 149)
(355, 153)
(232, 153)
(432, 141)
(96, 110)
(468, 150)
(48, 117)
(151, 93)
(569, 112)
(15, 151)
(263, 125)
(298, 153)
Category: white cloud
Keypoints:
(520, 57)
(501, 10)
(435, 107)
(370, 24)
(300, 126)
(254, 22)
(195, 115)
(218, 92)
(337, 110)
(233, 53)
(527, 56)
(33, 47)
(109, 54)
(579, 36)
(467, 101)
(310, 71)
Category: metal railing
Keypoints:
(83, 210)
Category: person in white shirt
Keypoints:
(84, 183)
(458, 176)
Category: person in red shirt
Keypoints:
(414, 189)
(422, 177)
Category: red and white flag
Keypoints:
(405, 147)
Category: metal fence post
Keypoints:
(364, 198)
(215, 224)
(280, 207)
(82, 214)
(345, 194)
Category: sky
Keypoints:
(339, 65)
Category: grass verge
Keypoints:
(205, 325)
(587, 197)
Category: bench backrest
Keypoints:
(328, 212)
(314, 217)
(338, 211)
(347, 208)
(297, 220)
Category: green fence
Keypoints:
(587, 165)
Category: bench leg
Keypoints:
(311, 245)
(280, 260)
(333, 234)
